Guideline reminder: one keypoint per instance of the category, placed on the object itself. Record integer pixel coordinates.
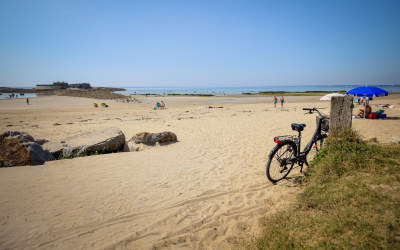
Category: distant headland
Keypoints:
(58, 87)
(76, 89)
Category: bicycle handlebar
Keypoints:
(311, 110)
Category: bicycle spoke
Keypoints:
(280, 164)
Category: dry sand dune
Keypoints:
(208, 190)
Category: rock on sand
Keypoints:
(102, 141)
(20, 149)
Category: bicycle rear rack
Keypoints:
(282, 138)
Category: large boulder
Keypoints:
(20, 149)
(102, 141)
(55, 148)
(152, 138)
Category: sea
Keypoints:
(17, 95)
(227, 90)
(251, 90)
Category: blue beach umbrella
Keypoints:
(367, 91)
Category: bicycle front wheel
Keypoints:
(280, 161)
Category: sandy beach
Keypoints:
(208, 190)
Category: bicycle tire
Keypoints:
(277, 167)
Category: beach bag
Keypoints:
(382, 116)
(373, 116)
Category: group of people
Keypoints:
(160, 105)
(361, 100)
(282, 100)
(12, 96)
(367, 110)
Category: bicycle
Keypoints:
(287, 152)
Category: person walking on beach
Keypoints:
(27, 101)
(282, 101)
(275, 101)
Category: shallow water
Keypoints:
(17, 95)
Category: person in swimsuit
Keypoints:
(368, 111)
(282, 101)
(275, 101)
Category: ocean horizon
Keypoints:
(393, 88)
(241, 90)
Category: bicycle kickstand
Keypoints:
(301, 166)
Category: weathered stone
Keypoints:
(130, 146)
(55, 148)
(152, 138)
(41, 141)
(20, 149)
(103, 141)
(23, 137)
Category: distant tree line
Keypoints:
(65, 85)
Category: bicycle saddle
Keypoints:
(298, 127)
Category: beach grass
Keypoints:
(351, 199)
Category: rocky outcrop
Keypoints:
(152, 138)
(103, 141)
(98, 94)
(15, 90)
(20, 149)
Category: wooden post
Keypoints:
(341, 112)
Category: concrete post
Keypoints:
(341, 112)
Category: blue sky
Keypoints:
(199, 43)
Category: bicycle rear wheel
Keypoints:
(279, 161)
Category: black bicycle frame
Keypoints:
(316, 136)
